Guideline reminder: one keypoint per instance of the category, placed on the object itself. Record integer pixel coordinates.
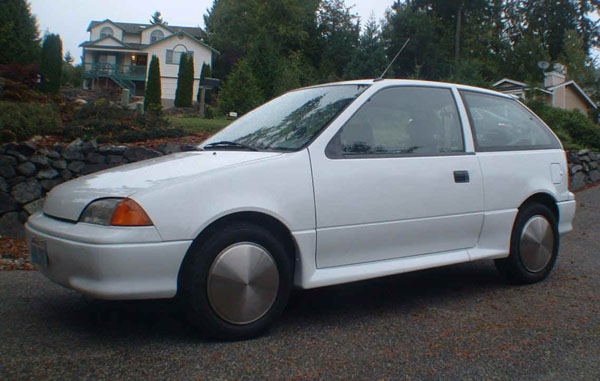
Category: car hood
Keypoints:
(68, 200)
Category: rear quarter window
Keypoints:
(503, 124)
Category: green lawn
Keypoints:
(196, 125)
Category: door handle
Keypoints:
(461, 176)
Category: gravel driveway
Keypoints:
(456, 322)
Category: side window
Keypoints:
(404, 121)
(156, 35)
(502, 124)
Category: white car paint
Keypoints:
(350, 219)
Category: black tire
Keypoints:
(514, 266)
(194, 292)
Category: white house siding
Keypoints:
(117, 32)
(128, 37)
(168, 72)
(108, 42)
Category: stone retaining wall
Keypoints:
(583, 168)
(28, 172)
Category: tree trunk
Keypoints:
(457, 36)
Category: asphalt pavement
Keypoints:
(458, 322)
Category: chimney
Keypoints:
(556, 76)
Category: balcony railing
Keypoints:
(128, 72)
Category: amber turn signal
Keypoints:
(130, 213)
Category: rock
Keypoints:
(7, 204)
(49, 184)
(59, 164)
(57, 147)
(90, 146)
(582, 152)
(578, 181)
(4, 187)
(593, 165)
(17, 155)
(594, 175)
(168, 148)
(26, 192)
(80, 101)
(140, 153)
(76, 166)
(575, 168)
(27, 169)
(34, 206)
(66, 174)
(91, 168)
(114, 159)
(586, 166)
(112, 149)
(593, 156)
(189, 147)
(95, 158)
(53, 155)
(11, 226)
(39, 160)
(72, 153)
(26, 148)
(16, 180)
(585, 158)
(49, 173)
(7, 164)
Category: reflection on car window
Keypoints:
(404, 120)
(291, 121)
(503, 124)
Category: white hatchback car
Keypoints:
(323, 185)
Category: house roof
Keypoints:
(119, 44)
(134, 28)
(577, 88)
(509, 81)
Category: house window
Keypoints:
(106, 32)
(156, 35)
(174, 55)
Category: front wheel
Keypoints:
(533, 246)
(237, 282)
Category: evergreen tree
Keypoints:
(185, 82)
(241, 92)
(157, 19)
(152, 99)
(51, 64)
(205, 72)
(19, 33)
(369, 59)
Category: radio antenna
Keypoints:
(394, 60)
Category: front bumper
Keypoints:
(107, 262)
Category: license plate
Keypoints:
(39, 255)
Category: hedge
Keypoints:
(21, 121)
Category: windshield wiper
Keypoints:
(226, 143)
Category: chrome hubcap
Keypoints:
(537, 244)
(242, 283)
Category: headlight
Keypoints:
(115, 211)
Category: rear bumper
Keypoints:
(566, 213)
(142, 270)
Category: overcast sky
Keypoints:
(71, 18)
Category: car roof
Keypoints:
(381, 83)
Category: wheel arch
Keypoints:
(545, 199)
(259, 218)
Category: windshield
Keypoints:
(286, 123)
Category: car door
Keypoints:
(396, 181)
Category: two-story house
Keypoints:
(118, 55)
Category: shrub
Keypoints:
(241, 92)
(152, 99)
(185, 82)
(51, 65)
(21, 121)
(575, 129)
(107, 122)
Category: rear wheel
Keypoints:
(533, 247)
(237, 282)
